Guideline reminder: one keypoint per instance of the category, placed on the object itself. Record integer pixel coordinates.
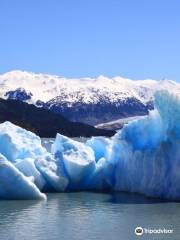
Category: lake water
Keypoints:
(87, 216)
(91, 216)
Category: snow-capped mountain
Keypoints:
(89, 100)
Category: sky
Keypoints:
(137, 39)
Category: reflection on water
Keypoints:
(133, 198)
(76, 216)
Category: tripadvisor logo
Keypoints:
(139, 231)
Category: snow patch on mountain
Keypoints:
(45, 87)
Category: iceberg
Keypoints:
(28, 168)
(14, 185)
(77, 158)
(56, 179)
(26, 160)
(143, 157)
(145, 154)
(17, 143)
(102, 177)
(99, 145)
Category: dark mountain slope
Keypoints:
(43, 122)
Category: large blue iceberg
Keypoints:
(143, 157)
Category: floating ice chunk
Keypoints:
(14, 185)
(99, 145)
(28, 168)
(144, 133)
(78, 159)
(146, 153)
(101, 178)
(168, 106)
(18, 143)
(53, 172)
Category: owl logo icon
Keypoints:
(139, 231)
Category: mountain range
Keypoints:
(88, 100)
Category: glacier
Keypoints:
(142, 157)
